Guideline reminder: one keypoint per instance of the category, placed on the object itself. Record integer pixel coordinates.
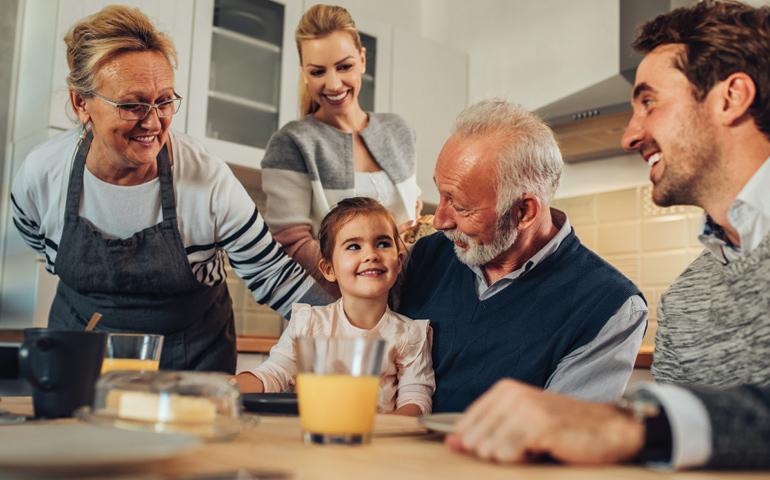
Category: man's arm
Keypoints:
(514, 422)
(740, 425)
(600, 369)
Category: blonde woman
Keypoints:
(134, 218)
(336, 150)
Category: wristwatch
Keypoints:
(646, 408)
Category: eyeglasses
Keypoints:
(139, 110)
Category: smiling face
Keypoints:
(366, 260)
(129, 77)
(675, 134)
(332, 67)
(467, 210)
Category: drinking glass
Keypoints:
(338, 386)
(132, 351)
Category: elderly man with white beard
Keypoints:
(509, 289)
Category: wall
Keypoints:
(529, 52)
(403, 14)
(649, 244)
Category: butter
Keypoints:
(153, 407)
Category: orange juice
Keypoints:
(337, 404)
(111, 364)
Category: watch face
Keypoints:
(640, 404)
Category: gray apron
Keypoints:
(141, 284)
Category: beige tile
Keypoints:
(649, 209)
(235, 287)
(263, 322)
(616, 238)
(587, 236)
(665, 233)
(249, 303)
(618, 205)
(627, 264)
(660, 269)
(580, 210)
(694, 228)
(649, 335)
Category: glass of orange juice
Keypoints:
(132, 351)
(338, 386)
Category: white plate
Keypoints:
(45, 446)
(440, 422)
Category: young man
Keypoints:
(702, 121)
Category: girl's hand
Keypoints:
(249, 383)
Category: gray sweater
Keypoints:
(714, 322)
(308, 168)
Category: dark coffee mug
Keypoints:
(62, 366)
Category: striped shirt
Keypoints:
(215, 216)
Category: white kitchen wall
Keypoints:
(403, 14)
(529, 52)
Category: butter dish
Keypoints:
(202, 403)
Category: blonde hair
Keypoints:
(318, 22)
(100, 37)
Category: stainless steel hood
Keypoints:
(589, 123)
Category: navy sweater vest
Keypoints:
(523, 331)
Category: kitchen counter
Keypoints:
(254, 344)
(401, 449)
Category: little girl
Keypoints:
(361, 251)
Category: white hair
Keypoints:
(530, 160)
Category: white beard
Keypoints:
(476, 255)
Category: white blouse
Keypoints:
(407, 372)
(377, 185)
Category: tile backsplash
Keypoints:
(649, 244)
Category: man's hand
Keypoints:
(513, 422)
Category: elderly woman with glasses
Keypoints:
(136, 219)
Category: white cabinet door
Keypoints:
(243, 80)
(173, 17)
(429, 89)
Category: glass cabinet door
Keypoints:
(245, 71)
(366, 96)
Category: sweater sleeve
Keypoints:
(299, 243)
(25, 210)
(272, 276)
(279, 372)
(416, 380)
(286, 184)
(665, 360)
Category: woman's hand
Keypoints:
(249, 383)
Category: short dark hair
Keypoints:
(720, 38)
(344, 212)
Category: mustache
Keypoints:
(648, 146)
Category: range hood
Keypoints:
(589, 123)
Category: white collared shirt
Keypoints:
(749, 215)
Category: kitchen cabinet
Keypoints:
(244, 76)
(173, 17)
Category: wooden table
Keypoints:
(400, 450)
